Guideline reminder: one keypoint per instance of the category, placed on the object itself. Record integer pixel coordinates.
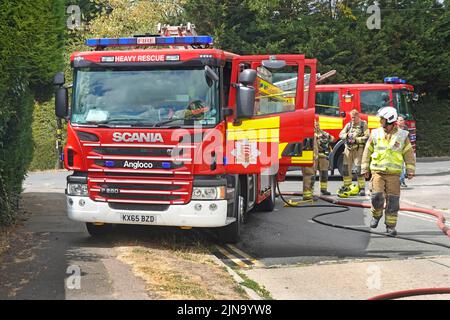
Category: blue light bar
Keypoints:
(391, 80)
(150, 41)
(394, 80)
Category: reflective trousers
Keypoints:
(323, 167)
(385, 188)
(309, 177)
(353, 157)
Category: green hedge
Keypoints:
(31, 48)
(433, 127)
(44, 128)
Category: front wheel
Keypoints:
(95, 230)
(232, 232)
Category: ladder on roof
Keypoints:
(188, 30)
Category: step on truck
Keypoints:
(166, 130)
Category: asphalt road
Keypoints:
(49, 249)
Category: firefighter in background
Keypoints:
(355, 134)
(308, 173)
(324, 141)
(401, 124)
(386, 151)
(309, 178)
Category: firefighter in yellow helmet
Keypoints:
(355, 135)
(323, 142)
(386, 151)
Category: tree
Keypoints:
(31, 39)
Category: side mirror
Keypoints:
(247, 77)
(245, 102)
(274, 64)
(61, 102)
(59, 79)
(245, 97)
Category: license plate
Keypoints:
(138, 218)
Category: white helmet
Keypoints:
(388, 113)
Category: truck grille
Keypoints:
(139, 175)
(139, 191)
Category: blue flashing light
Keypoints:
(150, 41)
(127, 41)
(163, 41)
(165, 165)
(391, 80)
(109, 163)
(394, 80)
(92, 42)
(107, 42)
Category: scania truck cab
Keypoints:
(168, 131)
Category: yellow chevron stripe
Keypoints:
(281, 147)
(327, 123)
(252, 124)
(307, 157)
(260, 130)
(260, 135)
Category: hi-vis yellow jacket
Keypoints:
(386, 153)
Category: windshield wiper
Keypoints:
(159, 124)
(136, 122)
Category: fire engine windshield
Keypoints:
(152, 97)
(402, 101)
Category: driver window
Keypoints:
(373, 100)
(277, 90)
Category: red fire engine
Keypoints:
(173, 132)
(335, 101)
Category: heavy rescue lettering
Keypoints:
(137, 137)
(141, 58)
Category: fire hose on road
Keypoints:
(344, 206)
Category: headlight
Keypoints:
(208, 193)
(77, 189)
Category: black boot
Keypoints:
(325, 192)
(374, 223)
(391, 231)
(362, 192)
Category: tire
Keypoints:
(232, 232)
(97, 231)
(340, 164)
(269, 203)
